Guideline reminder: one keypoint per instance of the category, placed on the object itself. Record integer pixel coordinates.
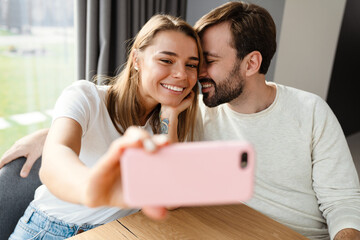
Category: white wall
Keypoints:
(195, 9)
(307, 44)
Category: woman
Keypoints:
(156, 91)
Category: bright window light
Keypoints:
(37, 61)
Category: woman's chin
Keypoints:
(171, 103)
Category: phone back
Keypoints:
(189, 174)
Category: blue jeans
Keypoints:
(37, 225)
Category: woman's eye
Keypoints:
(165, 60)
(192, 65)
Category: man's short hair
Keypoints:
(252, 28)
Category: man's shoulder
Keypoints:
(292, 94)
(301, 103)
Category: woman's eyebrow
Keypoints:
(176, 55)
(169, 53)
(194, 58)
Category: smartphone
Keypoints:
(189, 174)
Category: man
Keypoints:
(305, 176)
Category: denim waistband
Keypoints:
(52, 224)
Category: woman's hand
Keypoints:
(169, 117)
(30, 147)
(68, 178)
(168, 111)
(105, 187)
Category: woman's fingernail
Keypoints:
(136, 136)
(161, 139)
(149, 145)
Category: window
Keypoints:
(37, 62)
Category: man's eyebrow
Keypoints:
(210, 54)
(176, 55)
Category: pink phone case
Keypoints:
(189, 174)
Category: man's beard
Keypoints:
(227, 90)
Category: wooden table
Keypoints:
(211, 222)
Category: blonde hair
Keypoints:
(123, 101)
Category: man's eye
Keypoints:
(208, 61)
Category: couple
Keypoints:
(305, 177)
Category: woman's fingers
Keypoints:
(161, 140)
(104, 187)
(186, 102)
(133, 137)
(156, 213)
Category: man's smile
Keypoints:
(206, 84)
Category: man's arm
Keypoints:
(30, 146)
(335, 180)
(348, 234)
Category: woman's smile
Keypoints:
(168, 68)
(173, 87)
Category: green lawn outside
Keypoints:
(32, 83)
(5, 33)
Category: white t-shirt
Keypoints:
(84, 102)
(305, 175)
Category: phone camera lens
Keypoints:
(244, 160)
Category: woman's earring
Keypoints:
(136, 68)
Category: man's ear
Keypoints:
(253, 63)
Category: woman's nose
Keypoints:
(180, 72)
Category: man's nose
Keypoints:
(203, 71)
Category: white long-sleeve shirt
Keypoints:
(305, 175)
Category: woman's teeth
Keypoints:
(173, 88)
